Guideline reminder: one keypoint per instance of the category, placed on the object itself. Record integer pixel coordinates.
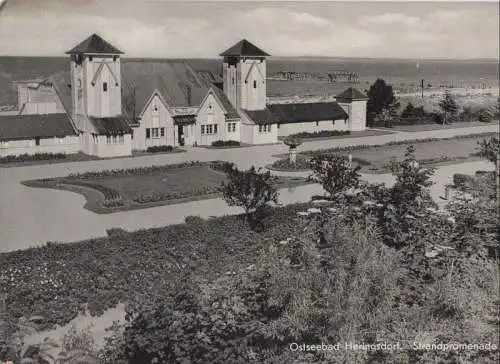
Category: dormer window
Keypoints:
(105, 86)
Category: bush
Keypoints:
(32, 157)
(225, 143)
(160, 149)
(463, 180)
(320, 134)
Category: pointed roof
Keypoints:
(351, 94)
(94, 45)
(244, 48)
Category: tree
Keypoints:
(448, 106)
(490, 149)
(381, 97)
(485, 115)
(335, 174)
(292, 143)
(251, 190)
(411, 111)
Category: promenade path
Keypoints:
(30, 217)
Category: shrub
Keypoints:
(193, 220)
(225, 143)
(252, 190)
(463, 180)
(32, 157)
(485, 116)
(320, 134)
(335, 174)
(160, 149)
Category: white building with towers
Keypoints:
(107, 108)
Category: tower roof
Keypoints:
(244, 48)
(94, 45)
(351, 94)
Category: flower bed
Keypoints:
(160, 149)
(320, 134)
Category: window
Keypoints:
(108, 139)
(254, 84)
(154, 133)
(148, 133)
(105, 86)
(162, 132)
(37, 141)
(4, 144)
(122, 139)
(278, 126)
(317, 123)
(215, 128)
(232, 80)
(231, 127)
(209, 129)
(115, 139)
(155, 109)
(203, 129)
(132, 134)
(265, 128)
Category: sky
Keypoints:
(203, 29)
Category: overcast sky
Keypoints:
(145, 28)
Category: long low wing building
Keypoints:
(106, 108)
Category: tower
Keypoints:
(95, 80)
(354, 104)
(244, 75)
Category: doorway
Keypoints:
(180, 135)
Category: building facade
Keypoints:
(109, 108)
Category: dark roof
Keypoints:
(299, 113)
(351, 94)
(184, 119)
(261, 116)
(210, 77)
(94, 45)
(35, 126)
(61, 82)
(231, 112)
(112, 126)
(244, 48)
(176, 81)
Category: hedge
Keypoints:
(160, 148)
(32, 157)
(226, 143)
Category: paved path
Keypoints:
(30, 217)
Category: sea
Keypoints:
(403, 75)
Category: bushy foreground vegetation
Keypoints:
(160, 149)
(366, 264)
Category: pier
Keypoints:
(331, 77)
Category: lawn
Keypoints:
(127, 189)
(425, 127)
(376, 159)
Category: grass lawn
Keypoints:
(112, 191)
(375, 159)
(425, 127)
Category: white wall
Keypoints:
(102, 103)
(151, 119)
(311, 127)
(253, 70)
(210, 116)
(68, 145)
(357, 114)
(265, 137)
(105, 150)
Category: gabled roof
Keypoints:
(261, 117)
(231, 112)
(175, 81)
(15, 127)
(300, 113)
(244, 48)
(112, 126)
(351, 94)
(94, 45)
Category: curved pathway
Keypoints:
(30, 217)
